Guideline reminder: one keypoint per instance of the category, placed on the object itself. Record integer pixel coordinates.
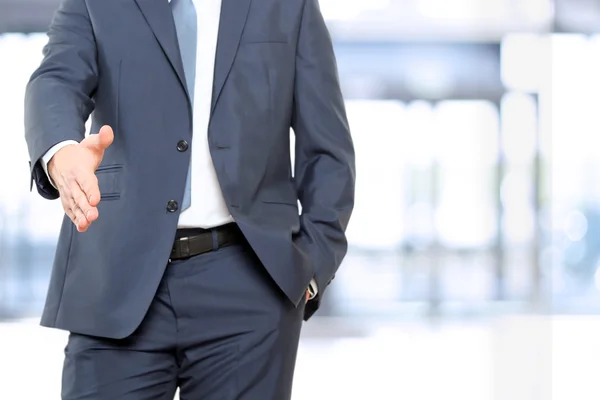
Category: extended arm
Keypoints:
(58, 96)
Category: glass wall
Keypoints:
(477, 162)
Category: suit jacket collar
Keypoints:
(234, 14)
(160, 19)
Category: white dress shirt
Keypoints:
(208, 208)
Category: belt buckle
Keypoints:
(184, 247)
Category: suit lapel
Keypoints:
(160, 19)
(233, 18)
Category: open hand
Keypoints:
(72, 170)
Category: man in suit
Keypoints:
(186, 263)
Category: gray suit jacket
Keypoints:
(119, 59)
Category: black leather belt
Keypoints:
(203, 241)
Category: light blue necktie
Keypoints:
(184, 15)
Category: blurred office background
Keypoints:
(473, 270)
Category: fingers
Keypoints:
(89, 187)
(80, 196)
(101, 140)
(68, 211)
(105, 137)
(84, 210)
(75, 214)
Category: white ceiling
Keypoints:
(455, 20)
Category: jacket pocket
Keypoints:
(109, 181)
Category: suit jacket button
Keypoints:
(172, 206)
(182, 145)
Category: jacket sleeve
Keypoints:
(58, 94)
(324, 156)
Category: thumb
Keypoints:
(101, 140)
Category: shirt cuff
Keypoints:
(50, 153)
(313, 290)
